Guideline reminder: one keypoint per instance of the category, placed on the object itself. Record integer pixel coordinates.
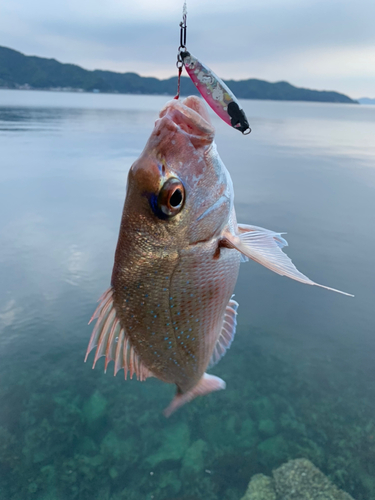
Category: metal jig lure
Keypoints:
(213, 90)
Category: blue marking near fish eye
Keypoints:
(146, 294)
(152, 312)
(148, 328)
(197, 320)
(170, 342)
(153, 333)
(187, 336)
(155, 352)
(164, 289)
(126, 300)
(172, 305)
(190, 329)
(193, 338)
(132, 315)
(166, 324)
(158, 305)
(191, 295)
(178, 313)
(187, 282)
(174, 322)
(155, 316)
(156, 272)
(124, 287)
(169, 347)
(167, 277)
(166, 338)
(176, 327)
(178, 336)
(182, 343)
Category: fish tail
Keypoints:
(208, 383)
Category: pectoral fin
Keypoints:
(265, 247)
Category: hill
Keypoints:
(18, 71)
(366, 100)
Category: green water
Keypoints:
(300, 374)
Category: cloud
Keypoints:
(309, 43)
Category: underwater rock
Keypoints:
(260, 487)
(263, 408)
(267, 427)
(8, 455)
(193, 461)
(295, 480)
(301, 480)
(169, 480)
(175, 441)
(273, 450)
(94, 408)
(248, 436)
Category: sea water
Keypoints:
(300, 374)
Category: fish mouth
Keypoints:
(191, 116)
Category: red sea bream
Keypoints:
(169, 312)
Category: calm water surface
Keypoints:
(300, 374)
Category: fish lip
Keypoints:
(189, 120)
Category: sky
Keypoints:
(319, 44)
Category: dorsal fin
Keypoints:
(112, 342)
(227, 333)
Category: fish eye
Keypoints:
(171, 197)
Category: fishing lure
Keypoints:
(213, 90)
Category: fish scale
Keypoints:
(204, 301)
(142, 299)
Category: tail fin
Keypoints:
(207, 384)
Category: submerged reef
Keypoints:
(295, 480)
(70, 433)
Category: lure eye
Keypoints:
(171, 197)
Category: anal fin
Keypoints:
(111, 341)
(207, 384)
(227, 333)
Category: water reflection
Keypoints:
(300, 374)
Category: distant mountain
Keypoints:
(366, 100)
(18, 71)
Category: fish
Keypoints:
(169, 312)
